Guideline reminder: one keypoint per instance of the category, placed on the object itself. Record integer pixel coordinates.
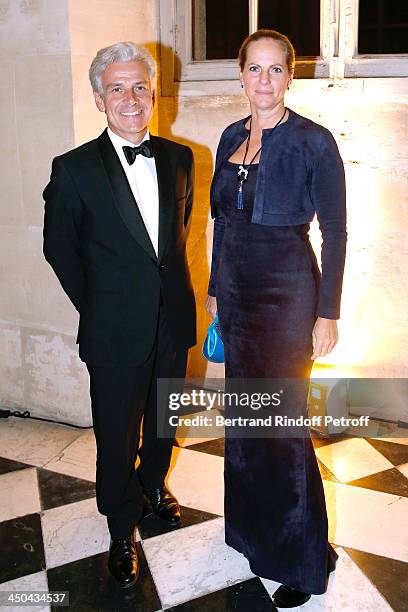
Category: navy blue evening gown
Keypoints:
(267, 282)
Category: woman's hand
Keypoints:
(211, 305)
(324, 337)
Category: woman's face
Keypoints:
(265, 76)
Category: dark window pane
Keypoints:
(219, 27)
(299, 20)
(383, 26)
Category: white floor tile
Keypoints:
(403, 469)
(270, 585)
(78, 459)
(74, 532)
(197, 480)
(193, 561)
(352, 459)
(349, 590)
(19, 494)
(34, 442)
(396, 439)
(367, 520)
(32, 582)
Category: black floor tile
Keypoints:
(60, 489)
(249, 595)
(212, 447)
(394, 452)
(152, 525)
(389, 576)
(388, 481)
(8, 465)
(91, 588)
(21, 547)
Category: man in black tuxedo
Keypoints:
(117, 211)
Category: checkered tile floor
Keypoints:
(52, 536)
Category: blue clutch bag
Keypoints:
(213, 348)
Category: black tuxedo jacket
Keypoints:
(99, 248)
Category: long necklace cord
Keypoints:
(243, 172)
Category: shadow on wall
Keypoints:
(168, 113)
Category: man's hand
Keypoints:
(324, 337)
(211, 305)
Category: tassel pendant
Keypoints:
(242, 173)
(240, 197)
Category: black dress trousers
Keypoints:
(123, 397)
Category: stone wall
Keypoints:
(36, 125)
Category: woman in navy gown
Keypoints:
(274, 171)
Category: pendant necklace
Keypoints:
(242, 171)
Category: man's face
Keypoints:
(127, 99)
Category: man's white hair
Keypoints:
(119, 52)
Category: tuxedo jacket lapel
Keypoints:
(166, 193)
(122, 195)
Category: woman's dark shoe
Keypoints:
(286, 597)
(123, 562)
(165, 505)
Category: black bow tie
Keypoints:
(144, 149)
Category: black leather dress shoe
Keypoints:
(165, 505)
(123, 562)
(286, 597)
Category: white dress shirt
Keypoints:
(142, 178)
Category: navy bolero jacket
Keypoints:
(300, 174)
